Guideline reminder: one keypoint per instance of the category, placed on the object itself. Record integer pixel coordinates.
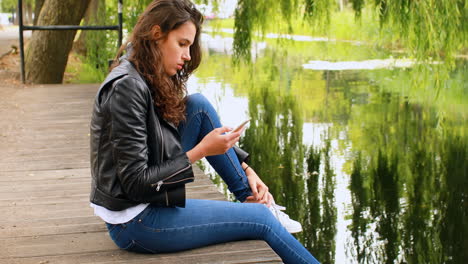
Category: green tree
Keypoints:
(431, 28)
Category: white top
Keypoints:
(118, 217)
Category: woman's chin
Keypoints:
(171, 73)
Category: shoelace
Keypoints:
(278, 210)
(279, 207)
(284, 215)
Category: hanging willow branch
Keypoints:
(431, 28)
(358, 5)
(243, 29)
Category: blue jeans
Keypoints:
(206, 222)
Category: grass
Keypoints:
(79, 72)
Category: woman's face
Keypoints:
(175, 48)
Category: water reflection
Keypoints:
(275, 136)
(401, 193)
(320, 225)
(399, 161)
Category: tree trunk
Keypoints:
(47, 53)
(16, 17)
(28, 20)
(37, 10)
(93, 16)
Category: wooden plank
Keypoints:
(233, 252)
(45, 181)
(79, 243)
(44, 152)
(44, 174)
(43, 230)
(44, 166)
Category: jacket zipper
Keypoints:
(162, 143)
(161, 182)
(167, 199)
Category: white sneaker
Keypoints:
(290, 225)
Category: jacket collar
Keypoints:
(127, 68)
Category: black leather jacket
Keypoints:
(136, 156)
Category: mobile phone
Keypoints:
(239, 127)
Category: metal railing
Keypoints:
(62, 27)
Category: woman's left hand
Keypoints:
(258, 187)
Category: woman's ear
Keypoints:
(156, 32)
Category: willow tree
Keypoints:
(430, 28)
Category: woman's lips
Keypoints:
(179, 66)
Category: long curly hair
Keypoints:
(169, 91)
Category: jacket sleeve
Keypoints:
(128, 107)
(242, 155)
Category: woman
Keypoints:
(145, 136)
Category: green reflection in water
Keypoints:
(405, 156)
(405, 168)
(275, 136)
(320, 224)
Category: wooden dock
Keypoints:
(45, 182)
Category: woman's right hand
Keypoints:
(214, 143)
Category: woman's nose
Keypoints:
(186, 56)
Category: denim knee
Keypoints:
(264, 214)
(197, 99)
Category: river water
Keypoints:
(351, 139)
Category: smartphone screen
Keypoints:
(240, 126)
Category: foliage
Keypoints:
(432, 28)
(101, 46)
(98, 55)
(402, 22)
(11, 5)
(342, 28)
(8, 5)
(80, 70)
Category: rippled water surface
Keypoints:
(372, 164)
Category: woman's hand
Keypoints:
(214, 143)
(258, 187)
